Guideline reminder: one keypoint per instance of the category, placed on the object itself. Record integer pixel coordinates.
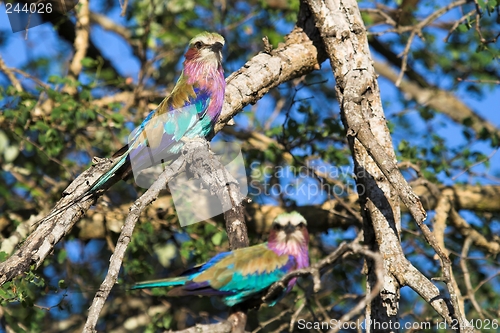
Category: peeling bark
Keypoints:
(379, 181)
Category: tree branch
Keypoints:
(81, 42)
(417, 30)
(198, 160)
(378, 176)
(124, 239)
(12, 78)
(296, 57)
(55, 226)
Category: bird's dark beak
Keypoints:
(289, 228)
(217, 47)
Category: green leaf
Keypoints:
(402, 145)
(62, 284)
(463, 27)
(89, 62)
(117, 117)
(217, 238)
(61, 256)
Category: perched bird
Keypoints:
(245, 274)
(191, 110)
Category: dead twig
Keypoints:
(12, 78)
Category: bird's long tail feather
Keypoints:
(108, 175)
(119, 170)
(176, 281)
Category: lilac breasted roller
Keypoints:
(191, 110)
(245, 274)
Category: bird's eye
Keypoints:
(301, 225)
(198, 45)
(277, 227)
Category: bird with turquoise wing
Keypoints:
(245, 274)
(191, 110)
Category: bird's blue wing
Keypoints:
(241, 274)
(158, 138)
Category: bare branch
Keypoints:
(124, 239)
(486, 159)
(124, 7)
(439, 222)
(108, 24)
(203, 165)
(12, 78)
(468, 284)
(457, 23)
(81, 39)
(31, 77)
(467, 230)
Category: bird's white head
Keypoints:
(206, 48)
(289, 229)
(289, 236)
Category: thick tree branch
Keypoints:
(55, 226)
(345, 40)
(296, 57)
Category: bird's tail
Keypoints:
(176, 281)
(117, 172)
